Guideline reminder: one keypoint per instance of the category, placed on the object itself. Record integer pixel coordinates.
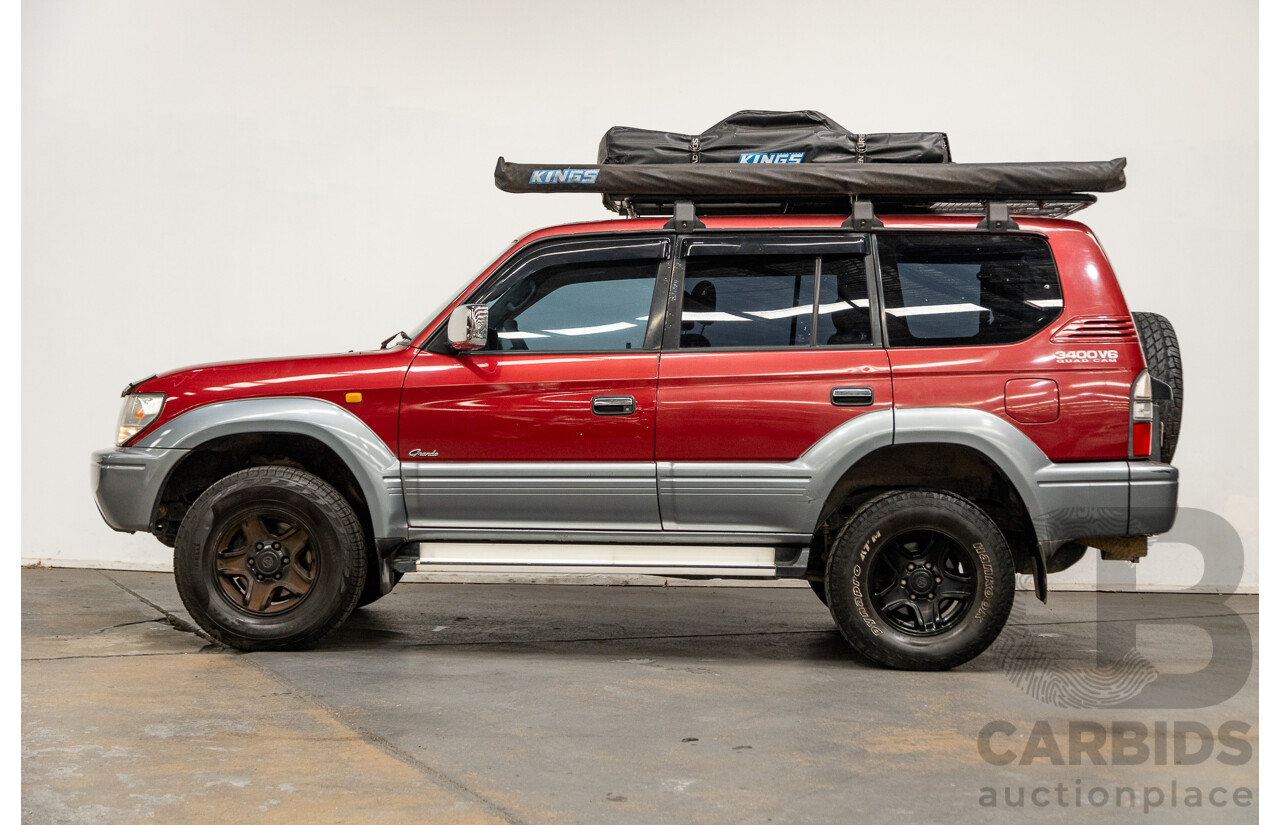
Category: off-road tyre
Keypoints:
(900, 533)
(819, 590)
(1164, 362)
(233, 526)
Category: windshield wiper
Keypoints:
(400, 334)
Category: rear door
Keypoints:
(775, 343)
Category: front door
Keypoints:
(550, 426)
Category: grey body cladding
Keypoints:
(731, 505)
(532, 495)
(374, 466)
(777, 502)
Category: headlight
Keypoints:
(137, 414)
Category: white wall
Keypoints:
(219, 180)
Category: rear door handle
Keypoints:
(613, 405)
(853, 396)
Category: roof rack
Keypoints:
(1056, 206)
(994, 190)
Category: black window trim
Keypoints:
(596, 247)
(800, 241)
(879, 280)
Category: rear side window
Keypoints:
(948, 290)
(748, 301)
(775, 301)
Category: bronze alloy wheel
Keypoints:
(270, 558)
(265, 563)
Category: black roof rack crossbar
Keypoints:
(1050, 207)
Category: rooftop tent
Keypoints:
(1055, 188)
(758, 161)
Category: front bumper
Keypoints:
(126, 483)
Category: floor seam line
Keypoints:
(103, 656)
(171, 618)
(1151, 620)
(390, 748)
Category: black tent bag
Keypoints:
(772, 137)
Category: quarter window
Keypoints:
(967, 289)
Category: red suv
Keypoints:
(903, 410)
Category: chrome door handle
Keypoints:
(613, 405)
(853, 396)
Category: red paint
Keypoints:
(759, 406)
(766, 406)
(527, 407)
(377, 375)
(1031, 400)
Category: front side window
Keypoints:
(946, 290)
(587, 306)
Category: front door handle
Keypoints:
(613, 405)
(853, 396)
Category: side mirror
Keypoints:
(469, 327)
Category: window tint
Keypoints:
(584, 306)
(844, 313)
(748, 301)
(942, 290)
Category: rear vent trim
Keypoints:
(1096, 328)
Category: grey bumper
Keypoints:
(1104, 498)
(1153, 497)
(126, 483)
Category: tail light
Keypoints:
(1142, 416)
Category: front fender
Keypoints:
(374, 465)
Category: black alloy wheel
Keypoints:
(920, 580)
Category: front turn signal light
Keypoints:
(137, 414)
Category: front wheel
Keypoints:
(920, 580)
(270, 558)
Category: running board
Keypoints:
(678, 561)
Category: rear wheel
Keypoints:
(270, 558)
(1164, 362)
(920, 580)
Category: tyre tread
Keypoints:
(1164, 362)
(880, 507)
(351, 539)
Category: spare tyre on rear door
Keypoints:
(1164, 362)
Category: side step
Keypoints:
(678, 561)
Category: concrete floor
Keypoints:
(572, 704)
